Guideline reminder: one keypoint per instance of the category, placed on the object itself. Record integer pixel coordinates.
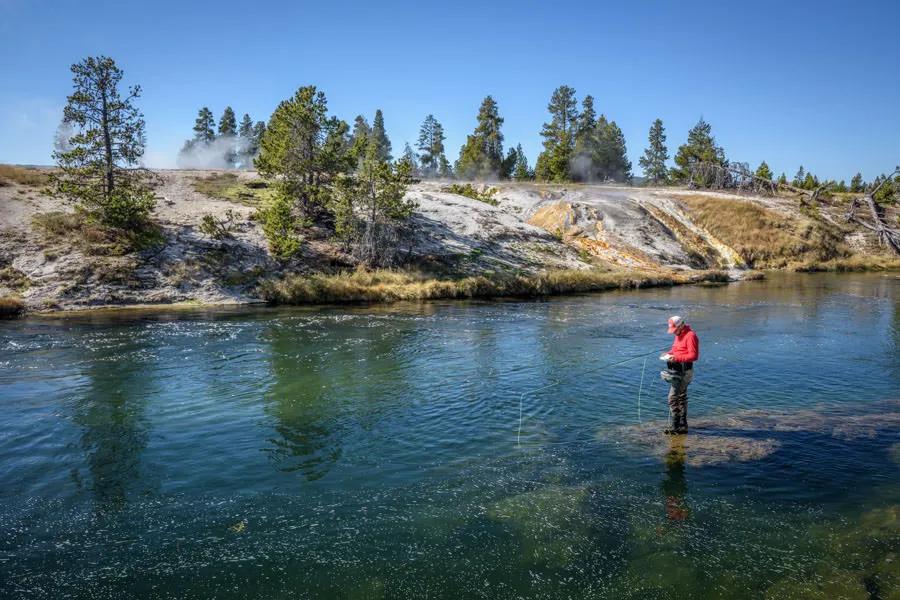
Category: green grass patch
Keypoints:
(470, 191)
(228, 186)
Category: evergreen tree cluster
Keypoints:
(579, 146)
(481, 157)
(326, 174)
(228, 145)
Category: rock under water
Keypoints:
(749, 435)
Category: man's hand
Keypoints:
(666, 357)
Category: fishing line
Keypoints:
(564, 379)
(640, 389)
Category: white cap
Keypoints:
(675, 322)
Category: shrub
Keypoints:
(280, 225)
(14, 279)
(469, 191)
(95, 238)
(219, 229)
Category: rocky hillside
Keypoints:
(53, 259)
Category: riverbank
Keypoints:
(392, 286)
(528, 240)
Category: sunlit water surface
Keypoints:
(378, 452)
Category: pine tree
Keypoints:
(245, 129)
(445, 169)
(411, 159)
(247, 146)
(258, 131)
(582, 167)
(359, 139)
(228, 123)
(559, 136)
(431, 144)
(204, 126)
(371, 206)
(810, 182)
(782, 180)
(301, 150)
(481, 156)
(700, 148)
(764, 171)
(653, 162)
(856, 184)
(521, 172)
(611, 155)
(799, 178)
(586, 121)
(379, 135)
(96, 171)
(509, 163)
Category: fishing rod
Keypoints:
(581, 374)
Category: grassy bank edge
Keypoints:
(392, 286)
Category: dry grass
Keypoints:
(764, 238)
(228, 186)
(390, 286)
(28, 176)
(11, 306)
(76, 228)
(854, 263)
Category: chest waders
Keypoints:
(678, 376)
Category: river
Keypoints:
(457, 449)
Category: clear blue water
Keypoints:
(378, 452)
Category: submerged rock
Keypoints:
(701, 447)
(749, 435)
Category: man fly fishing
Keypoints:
(680, 371)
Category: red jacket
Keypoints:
(686, 347)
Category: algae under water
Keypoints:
(370, 452)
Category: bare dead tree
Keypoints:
(737, 176)
(887, 236)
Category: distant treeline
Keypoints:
(579, 146)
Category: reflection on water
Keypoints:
(674, 486)
(302, 404)
(371, 451)
(114, 434)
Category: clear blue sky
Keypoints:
(811, 82)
